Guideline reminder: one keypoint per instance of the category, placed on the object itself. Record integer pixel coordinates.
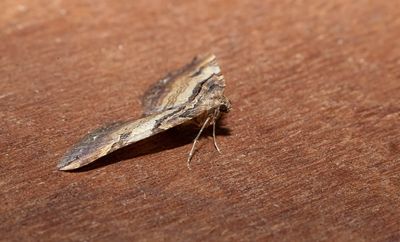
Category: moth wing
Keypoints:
(105, 140)
(188, 93)
(180, 87)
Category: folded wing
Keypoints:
(182, 86)
(105, 140)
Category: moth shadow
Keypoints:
(170, 139)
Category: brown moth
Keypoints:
(192, 94)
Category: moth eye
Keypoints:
(223, 108)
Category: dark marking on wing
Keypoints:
(154, 96)
(90, 143)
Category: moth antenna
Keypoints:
(195, 141)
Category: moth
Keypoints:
(193, 94)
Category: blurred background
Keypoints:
(313, 147)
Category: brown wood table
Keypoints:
(311, 149)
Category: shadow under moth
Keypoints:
(192, 94)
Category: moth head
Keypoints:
(225, 105)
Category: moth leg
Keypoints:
(214, 124)
(195, 141)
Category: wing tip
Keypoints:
(205, 58)
(67, 164)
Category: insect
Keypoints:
(192, 94)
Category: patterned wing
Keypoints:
(189, 93)
(105, 140)
(182, 86)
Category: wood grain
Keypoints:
(311, 149)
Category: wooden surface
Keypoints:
(311, 149)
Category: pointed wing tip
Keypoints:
(66, 165)
(63, 168)
(210, 55)
(91, 147)
(78, 156)
(207, 57)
